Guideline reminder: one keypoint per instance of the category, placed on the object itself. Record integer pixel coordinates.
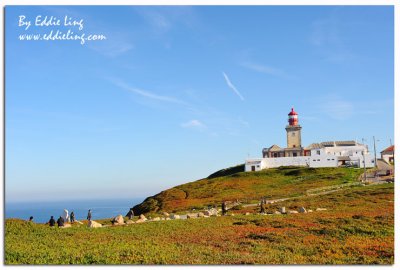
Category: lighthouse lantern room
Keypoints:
(293, 118)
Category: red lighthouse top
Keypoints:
(293, 118)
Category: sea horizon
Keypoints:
(43, 210)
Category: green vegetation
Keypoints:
(357, 228)
(229, 184)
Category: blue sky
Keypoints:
(176, 93)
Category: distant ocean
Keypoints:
(41, 211)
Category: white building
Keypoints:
(388, 154)
(325, 154)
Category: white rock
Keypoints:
(283, 210)
(66, 225)
(165, 214)
(156, 219)
(173, 216)
(292, 212)
(192, 215)
(118, 220)
(278, 213)
(140, 221)
(210, 212)
(321, 209)
(94, 224)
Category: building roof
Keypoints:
(314, 146)
(390, 149)
(331, 144)
(340, 143)
(274, 148)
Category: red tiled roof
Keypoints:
(389, 149)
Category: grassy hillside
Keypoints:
(245, 186)
(357, 228)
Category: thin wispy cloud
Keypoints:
(145, 93)
(338, 108)
(163, 19)
(113, 48)
(231, 86)
(194, 124)
(325, 32)
(266, 70)
(328, 39)
(156, 19)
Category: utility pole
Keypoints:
(376, 165)
(365, 169)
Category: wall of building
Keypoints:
(319, 158)
(258, 164)
(387, 157)
(322, 159)
(356, 150)
(286, 161)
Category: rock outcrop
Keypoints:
(210, 212)
(302, 210)
(94, 224)
(118, 220)
(173, 216)
(192, 215)
(66, 225)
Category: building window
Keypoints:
(318, 152)
(314, 160)
(318, 159)
(295, 154)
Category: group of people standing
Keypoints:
(67, 218)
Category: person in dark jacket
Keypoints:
(224, 210)
(262, 206)
(52, 221)
(72, 216)
(31, 218)
(130, 214)
(89, 215)
(60, 222)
